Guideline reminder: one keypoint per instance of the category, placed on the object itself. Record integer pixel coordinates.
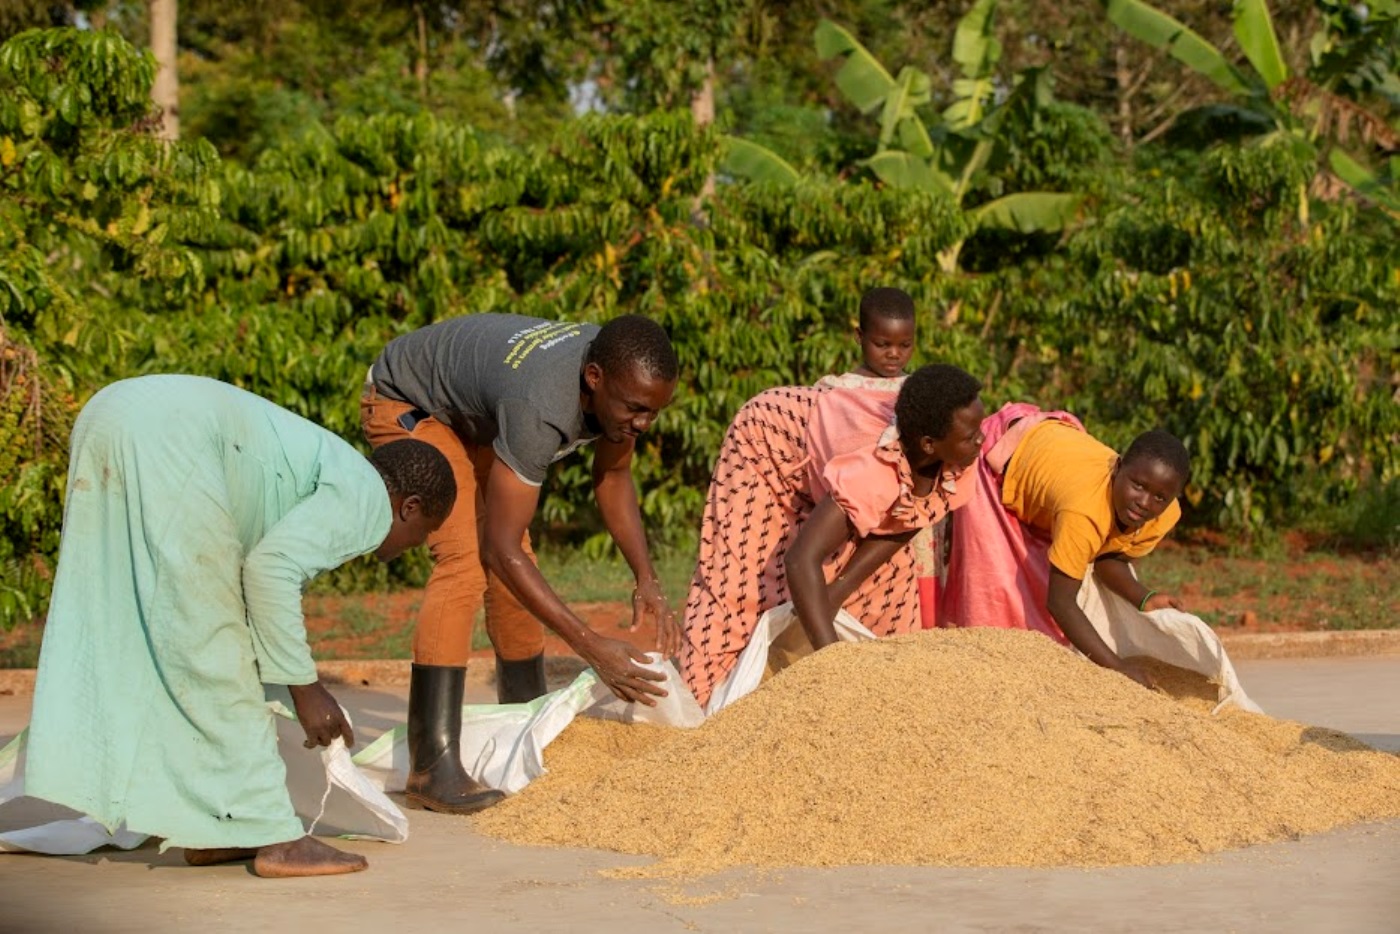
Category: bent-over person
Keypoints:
(815, 497)
(503, 397)
(195, 514)
(1055, 502)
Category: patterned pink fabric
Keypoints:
(875, 401)
(999, 570)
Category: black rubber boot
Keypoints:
(436, 779)
(520, 682)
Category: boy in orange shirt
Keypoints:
(1056, 502)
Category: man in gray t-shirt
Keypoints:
(503, 397)
(504, 381)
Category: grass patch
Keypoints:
(1298, 590)
(1367, 521)
(358, 619)
(580, 579)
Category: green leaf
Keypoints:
(977, 51)
(898, 120)
(745, 159)
(904, 170)
(862, 79)
(1364, 181)
(976, 159)
(913, 137)
(30, 118)
(1029, 211)
(1165, 32)
(70, 106)
(975, 46)
(1254, 29)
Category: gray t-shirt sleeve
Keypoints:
(526, 443)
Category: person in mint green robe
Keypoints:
(195, 514)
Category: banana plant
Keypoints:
(1254, 31)
(746, 159)
(1261, 92)
(1367, 183)
(947, 159)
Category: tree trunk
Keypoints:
(165, 93)
(702, 110)
(1124, 81)
(420, 69)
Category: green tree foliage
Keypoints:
(333, 244)
(1266, 99)
(1358, 52)
(82, 179)
(1202, 303)
(92, 208)
(954, 157)
(286, 275)
(258, 73)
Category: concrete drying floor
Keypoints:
(447, 878)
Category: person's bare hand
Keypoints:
(649, 604)
(1161, 601)
(320, 716)
(615, 663)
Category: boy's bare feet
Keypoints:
(305, 857)
(228, 854)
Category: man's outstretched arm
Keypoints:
(617, 502)
(510, 506)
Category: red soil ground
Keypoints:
(331, 640)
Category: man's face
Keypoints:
(625, 403)
(1142, 489)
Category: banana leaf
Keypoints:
(1028, 211)
(861, 78)
(903, 170)
(1364, 182)
(977, 51)
(1204, 126)
(899, 121)
(1164, 32)
(749, 160)
(1254, 29)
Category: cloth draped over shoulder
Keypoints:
(856, 459)
(196, 512)
(786, 450)
(927, 545)
(1042, 497)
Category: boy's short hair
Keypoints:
(885, 302)
(416, 468)
(930, 397)
(1163, 447)
(634, 341)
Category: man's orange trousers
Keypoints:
(458, 581)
